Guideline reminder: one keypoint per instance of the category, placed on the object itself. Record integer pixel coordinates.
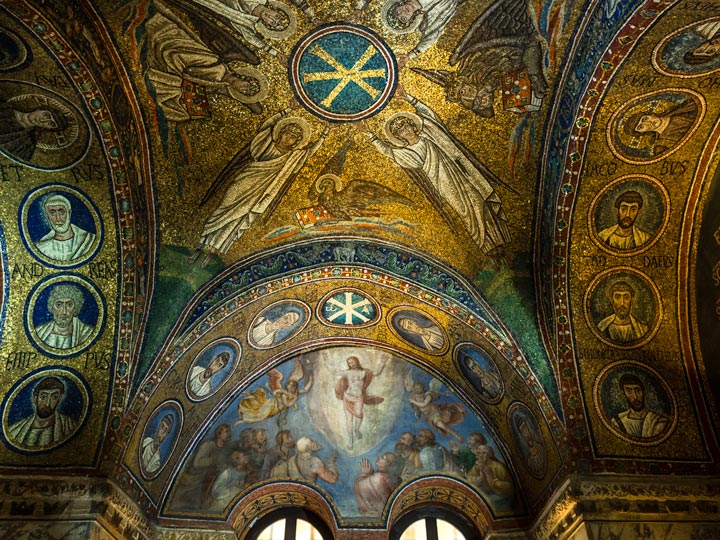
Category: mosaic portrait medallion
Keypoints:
(41, 129)
(212, 367)
(691, 51)
(635, 403)
(64, 315)
(629, 214)
(60, 226)
(481, 371)
(650, 127)
(45, 409)
(418, 329)
(277, 323)
(159, 438)
(623, 307)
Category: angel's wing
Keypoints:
(239, 160)
(275, 378)
(359, 194)
(503, 20)
(409, 382)
(435, 386)
(297, 372)
(334, 165)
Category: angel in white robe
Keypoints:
(258, 176)
(449, 174)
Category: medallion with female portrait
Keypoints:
(418, 329)
(629, 214)
(482, 372)
(623, 307)
(159, 438)
(528, 439)
(650, 127)
(277, 323)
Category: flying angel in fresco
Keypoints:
(264, 403)
(358, 198)
(503, 48)
(424, 402)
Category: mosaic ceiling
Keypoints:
(344, 251)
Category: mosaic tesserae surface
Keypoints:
(360, 257)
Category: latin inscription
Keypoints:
(88, 172)
(671, 168)
(22, 360)
(613, 354)
(603, 168)
(637, 81)
(647, 261)
(26, 271)
(11, 173)
(98, 360)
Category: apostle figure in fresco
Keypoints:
(489, 474)
(65, 330)
(638, 421)
(283, 450)
(231, 481)
(372, 487)
(626, 234)
(210, 458)
(65, 241)
(407, 450)
(47, 426)
(306, 465)
(447, 172)
(258, 175)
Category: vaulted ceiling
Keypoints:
(505, 210)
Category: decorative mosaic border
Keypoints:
(129, 327)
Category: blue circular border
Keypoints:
(29, 244)
(304, 43)
(102, 315)
(12, 393)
